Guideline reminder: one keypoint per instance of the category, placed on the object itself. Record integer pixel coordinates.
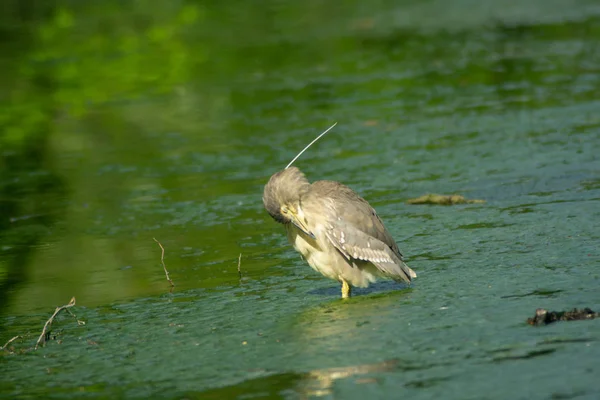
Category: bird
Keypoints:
(335, 230)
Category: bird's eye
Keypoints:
(284, 210)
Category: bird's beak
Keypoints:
(300, 224)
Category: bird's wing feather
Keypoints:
(354, 228)
(355, 244)
(355, 210)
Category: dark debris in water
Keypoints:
(526, 356)
(444, 200)
(545, 317)
(538, 292)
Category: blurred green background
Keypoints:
(124, 121)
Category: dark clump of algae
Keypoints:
(124, 122)
(444, 200)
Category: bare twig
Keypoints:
(240, 265)
(79, 322)
(42, 339)
(162, 260)
(9, 342)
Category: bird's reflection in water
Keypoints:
(316, 383)
(344, 332)
(319, 382)
(335, 324)
(343, 336)
(378, 288)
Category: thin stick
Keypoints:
(310, 144)
(240, 265)
(162, 260)
(79, 322)
(42, 339)
(9, 342)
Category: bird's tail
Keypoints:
(411, 273)
(398, 271)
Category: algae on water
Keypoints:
(445, 200)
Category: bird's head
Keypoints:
(281, 197)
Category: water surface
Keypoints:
(123, 122)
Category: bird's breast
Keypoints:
(304, 244)
(314, 252)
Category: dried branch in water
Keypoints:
(9, 342)
(162, 260)
(240, 265)
(42, 339)
(79, 322)
(445, 200)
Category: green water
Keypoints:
(125, 121)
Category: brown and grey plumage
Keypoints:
(338, 233)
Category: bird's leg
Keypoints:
(345, 289)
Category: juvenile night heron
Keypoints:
(337, 232)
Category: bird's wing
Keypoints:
(354, 228)
(355, 244)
